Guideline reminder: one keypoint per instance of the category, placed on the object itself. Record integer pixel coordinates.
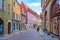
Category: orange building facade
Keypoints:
(16, 16)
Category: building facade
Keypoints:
(5, 16)
(32, 19)
(55, 18)
(16, 21)
(41, 20)
(51, 16)
(23, 21)
(23, 16)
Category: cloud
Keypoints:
(35, 4)
(38, 11)
(36, 7)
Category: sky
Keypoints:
(33, 4)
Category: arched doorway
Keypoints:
(1, 26)
(9, 27)
(45, 18)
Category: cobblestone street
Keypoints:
(29, 19)
(30, 34)
(27, 35)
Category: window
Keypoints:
(14, 4)
(14, 26)
(13, 14)
(59, 17)
(9, 8)
(17, 25)
(2, 5)
(45, 1)
(16, 16)
(1, 27)
(19, 18)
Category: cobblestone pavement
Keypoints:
(45, 36)
(26, 35)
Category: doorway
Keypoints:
(1, 26)
(9, 27)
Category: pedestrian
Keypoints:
(38, 28)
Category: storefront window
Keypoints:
(1, 27)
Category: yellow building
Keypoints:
(5, 16)
(16, 25)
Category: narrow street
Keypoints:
(27, 35)
(30, 34)
(29, 19)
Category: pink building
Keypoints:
(31, 17)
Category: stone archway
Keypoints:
(1, 26)
(9, 27)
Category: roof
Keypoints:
(26, 8)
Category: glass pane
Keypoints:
(1, 4)
(1, 27)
